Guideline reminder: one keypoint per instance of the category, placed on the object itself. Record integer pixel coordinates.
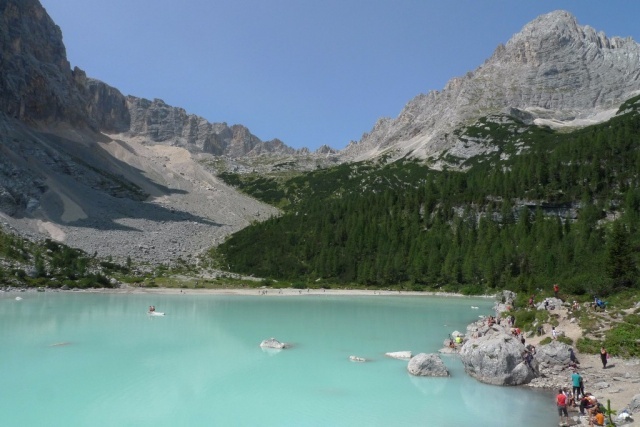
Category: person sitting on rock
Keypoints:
(597, 419)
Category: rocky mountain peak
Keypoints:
(540, 40)
(553, 69)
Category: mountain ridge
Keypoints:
(105, 172)
(553, 69)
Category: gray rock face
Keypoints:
(634, 405)
(36, 81)
(553, 70)
(497, 359)
(38, 87)
(427, 365)
(106, 106)
(555, 353)
(162, 123)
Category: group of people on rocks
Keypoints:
(586, 402)
(454, 342)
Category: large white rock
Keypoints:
(497, 359)
(554, 353)
(427, 365)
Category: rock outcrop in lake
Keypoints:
(427, 365)
(497, 359)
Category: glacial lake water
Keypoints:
(84, 359)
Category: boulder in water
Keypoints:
(498, 359)
(427, 365)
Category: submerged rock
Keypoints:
(273, 343)
(399, 355)
(357, 359)
(427, 365)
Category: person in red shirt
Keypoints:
(556, 289)
(561, 401)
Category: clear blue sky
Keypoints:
(308, 72)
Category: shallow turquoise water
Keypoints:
(201, 364)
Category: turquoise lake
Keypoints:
(85, 359)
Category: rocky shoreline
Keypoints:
(495, 353)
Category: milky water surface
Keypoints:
(76, 359)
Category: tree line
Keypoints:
(544, 207)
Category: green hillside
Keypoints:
(51, 264)
(544, 206)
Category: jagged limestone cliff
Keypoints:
(64, 174)
(554, 71)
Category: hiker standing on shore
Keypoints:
(556, 290)
(561, 402)
(604, 356)
(576, 379)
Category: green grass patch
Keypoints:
(588, 345)
(623, 340)
(526, 318)
(565, 340)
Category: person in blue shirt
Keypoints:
(575, 381)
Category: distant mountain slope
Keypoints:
(83, 164)
(119, 175)
(38, 87)
(552, 72)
